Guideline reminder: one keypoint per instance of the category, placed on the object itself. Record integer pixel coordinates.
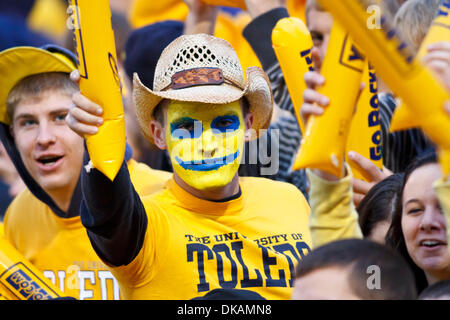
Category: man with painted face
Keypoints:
(209, 228)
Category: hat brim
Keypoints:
(257, 92)
(20, 62)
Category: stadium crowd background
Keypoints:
(407, 241)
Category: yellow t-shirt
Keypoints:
(193, 246)
(60, 247)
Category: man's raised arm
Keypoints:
(111, 211)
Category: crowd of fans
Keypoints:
(161, 231)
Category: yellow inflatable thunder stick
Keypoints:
(20, 280)
(323, 144)
(365, 131)
(403, 117)
(100, 82)
(395, 63)
(292, 44)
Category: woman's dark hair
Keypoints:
(379, 203)
(394, 236)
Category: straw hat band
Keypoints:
(200, 77)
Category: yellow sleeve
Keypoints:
(333, 215)
(442, 189)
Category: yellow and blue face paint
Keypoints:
(205, 142)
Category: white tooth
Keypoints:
(429, 243)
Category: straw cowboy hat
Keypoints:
(203, 68)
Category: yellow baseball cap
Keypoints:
(20, 62)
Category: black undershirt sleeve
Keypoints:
(113, 214)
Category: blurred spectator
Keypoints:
(144, 46)
(399, 148)
(258, 33)
(5, 199)
(229, 23)
(10, 182)
(144, 12)
(390, 7)
(49, 17)
(121, 29)
(414, 19)
(13, 23)
(347, 270)
(437, 291)
(121, 6)
(230, 294)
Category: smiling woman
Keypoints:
(418, 229)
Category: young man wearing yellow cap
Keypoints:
(208, 228)
(43, 222)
